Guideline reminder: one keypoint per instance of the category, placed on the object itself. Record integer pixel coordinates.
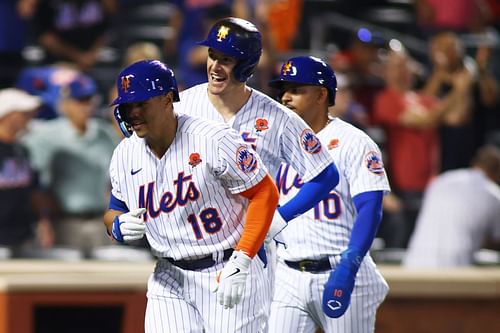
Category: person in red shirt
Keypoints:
(409, 119)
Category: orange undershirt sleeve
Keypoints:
(263, 203)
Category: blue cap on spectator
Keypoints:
(82, 87)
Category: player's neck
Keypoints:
(228, 104)
(161, 141)
(317, 123)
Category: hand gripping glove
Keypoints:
(129, 226)
(275, 229)
(232, 279)
(338, 288)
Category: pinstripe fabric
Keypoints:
(192, 212)
(179, 301)
(279, 141)
(324, 231)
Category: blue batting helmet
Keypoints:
(139, 82)
(239, 39)
(308, 71)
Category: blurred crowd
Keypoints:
(436, 119)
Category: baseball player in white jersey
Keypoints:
(204, 200)
(276, 133)
(325, 276)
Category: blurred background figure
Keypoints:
(461, 16)
(72, 155)
(24, 224)
(14, 16)
(346, 107)
(46, 82)
(73, 30)
(448, 70)
(361, 61)
(460, 213)
(410, 120)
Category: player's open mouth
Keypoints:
(217, 78)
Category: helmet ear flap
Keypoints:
(245, 68)
(124, 126)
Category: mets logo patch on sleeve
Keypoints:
(374, 163)
(247, 162)
(310, 141)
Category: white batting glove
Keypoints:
(232, 279)
(129, 226)
(275, 229)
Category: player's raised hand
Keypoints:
(232, 279)
(129, 226)
(338, 288)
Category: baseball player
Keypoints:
(204, 200)
(325, 276)
(276, 133)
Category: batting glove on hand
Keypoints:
(275, 229)
(129, 226)
(338, 288)
(232, 279)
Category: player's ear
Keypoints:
(168, 98)
(323, 95)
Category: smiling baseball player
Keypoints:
(276, 133)
(325, 276)
(204, 200)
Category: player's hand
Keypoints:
(275, 229)
(129, 226)
(232, 279)
(338, 288)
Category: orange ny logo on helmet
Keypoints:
(287, 68)
(261, 124)
(222, 33)
(126, 82)
(194, 159)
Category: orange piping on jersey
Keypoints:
(263, 203)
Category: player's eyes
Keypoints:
(130, 106)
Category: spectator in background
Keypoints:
(283, 21)
(486, 103)
(362, 63)
(73, 30)
(410, 119)
(452, 70)
(461, 16)
(14, 15)
(460, 211)
(46, 82)
(72, 154)
(23, 223)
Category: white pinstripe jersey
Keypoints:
(325, 230)
(276, 133)
(190, 193)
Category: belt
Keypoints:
(201, 263)
(312, 266)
